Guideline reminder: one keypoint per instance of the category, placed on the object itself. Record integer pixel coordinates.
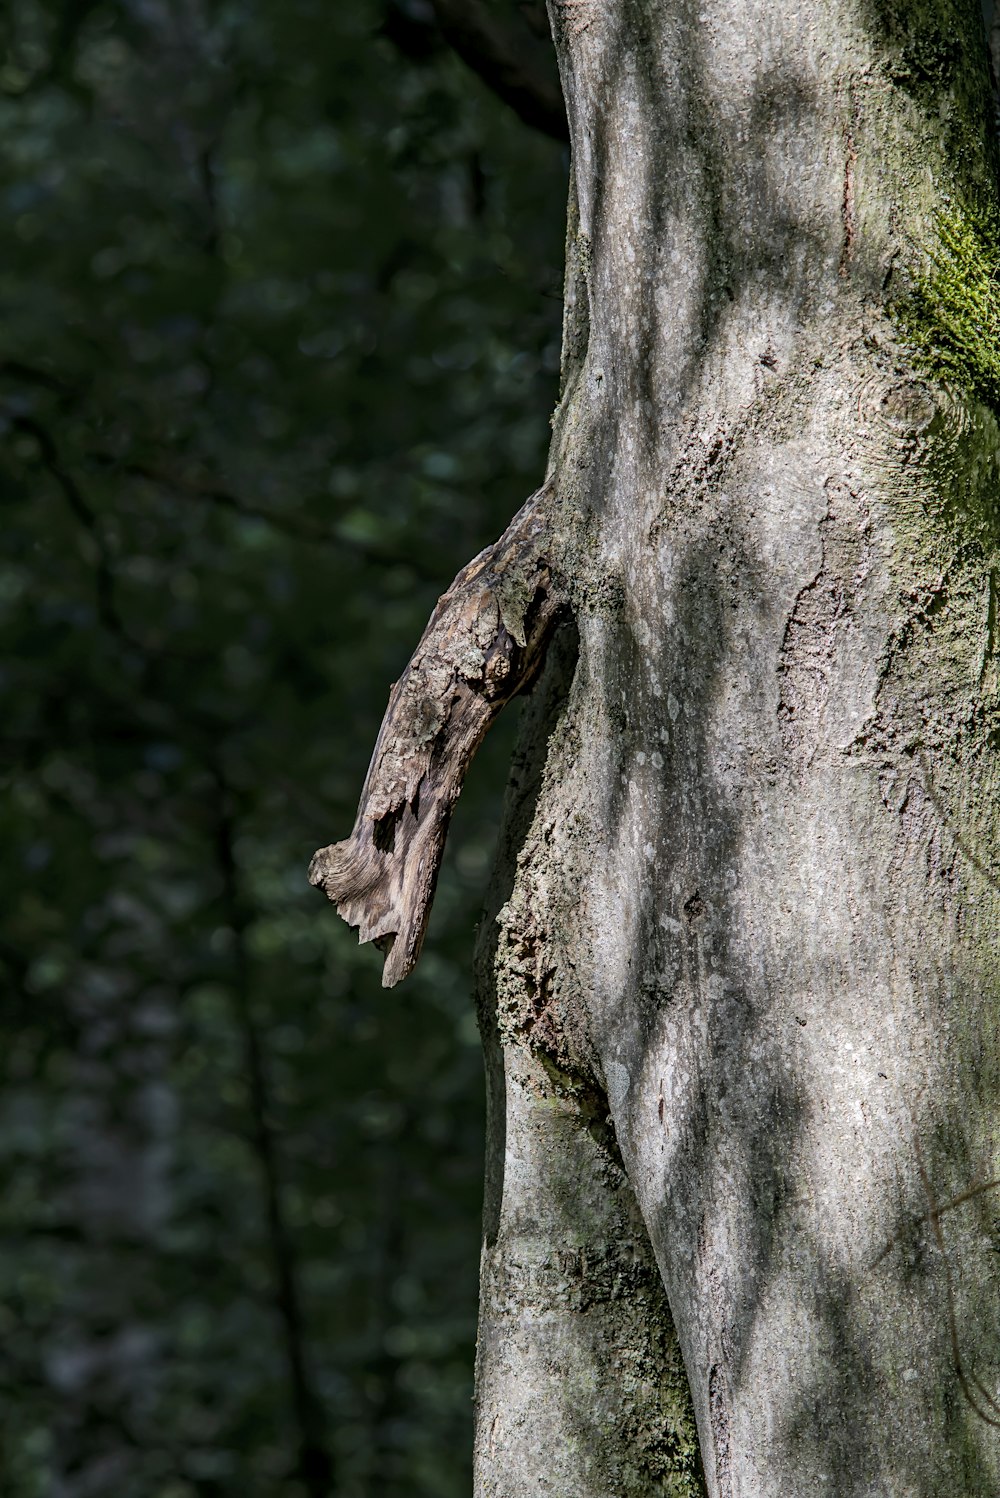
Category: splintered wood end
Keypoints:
(483, 644)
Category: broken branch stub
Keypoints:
(484, 642)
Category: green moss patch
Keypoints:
(952, 313)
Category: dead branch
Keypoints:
(483, 644)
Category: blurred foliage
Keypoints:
(280, 310)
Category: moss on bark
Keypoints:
(952, 315)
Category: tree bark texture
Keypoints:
(739, 979)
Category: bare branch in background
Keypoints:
(514, 57)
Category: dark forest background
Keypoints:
(280, 312)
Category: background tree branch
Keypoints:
(512, 55)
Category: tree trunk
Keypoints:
(739, 984)
(748, 907)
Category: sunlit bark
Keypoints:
(739, 983)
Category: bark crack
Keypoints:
(718, 1406)
(849, 209)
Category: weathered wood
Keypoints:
(483, 644)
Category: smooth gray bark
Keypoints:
(739, 983)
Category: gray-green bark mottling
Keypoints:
(740, 979)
